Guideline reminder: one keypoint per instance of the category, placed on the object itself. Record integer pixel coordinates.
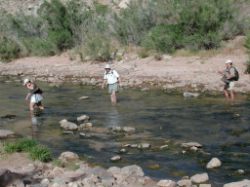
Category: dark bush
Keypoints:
(9, 49)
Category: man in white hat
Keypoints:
(113, 80)
(34, 96)
(229, 76)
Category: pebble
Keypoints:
(116, 158)
(83, 97)
(213, 163)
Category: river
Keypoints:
(159, 118)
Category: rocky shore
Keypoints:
(69, 171)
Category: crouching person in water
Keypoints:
(34, 96)
(229, 76)
(113, 80)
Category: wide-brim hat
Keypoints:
(229, 61)
(107, 66)
(25, 81)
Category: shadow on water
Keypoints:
(159, 119)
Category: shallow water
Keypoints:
(159, 119)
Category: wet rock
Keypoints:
(85, 126)
(144, 146)
(200, 178)
(67, 125)
(166, 183)
(6, 133)
(82, 118)
(213, 163)
(68, 156)
(134, 145)
(191, 144)
(68, 132)
(128, 129)
(8, 116)
(83, 97)
(243, 183)
(205, 185)
(115, 158)
(240, 171)
(163, 147)
(190, 94)
(7, 177)
(122, 150)
(184, 183)
(84, 135)
(116, 129)
(193, 148)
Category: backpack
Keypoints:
(237, 76)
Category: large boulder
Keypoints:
(67, 125)
(68, 156)
(243, 183)
(6, 133)
(200, 178)
(213, 163)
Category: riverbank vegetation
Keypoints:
(98, 32)
(35, 150)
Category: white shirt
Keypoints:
(111, 76)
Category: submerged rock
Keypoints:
(166, 183)
(115, 158)
(191, 144)
(67, 125)
(243, 183)
(83, 97)
(144, 146)
(190, 94)
(85, 126)
(213, 163)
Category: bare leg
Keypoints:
(232, 95)
(226, 94)
(113, 98)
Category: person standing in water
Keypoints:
(34, 96)
(113, 80)
(229, 76)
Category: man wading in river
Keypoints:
(34, 96)
(229, 76)
(113, 80)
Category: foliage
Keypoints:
(9, 49)
(247, 45)
(37, 152)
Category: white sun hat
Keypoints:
(25, 81)
(107, 66)
(229, 61)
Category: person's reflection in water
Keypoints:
(113, 118)
(35, 123)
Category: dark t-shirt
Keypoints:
(36, 90)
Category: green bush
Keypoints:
(98, 48)
(9, 49)
(41, 153)
(163, 38)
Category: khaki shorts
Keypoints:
(229, 86)
(113, 87)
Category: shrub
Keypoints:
(163, 38)
(9, 49)
(41, 153)
(97, 47)
(247, 45)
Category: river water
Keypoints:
(159, 118)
